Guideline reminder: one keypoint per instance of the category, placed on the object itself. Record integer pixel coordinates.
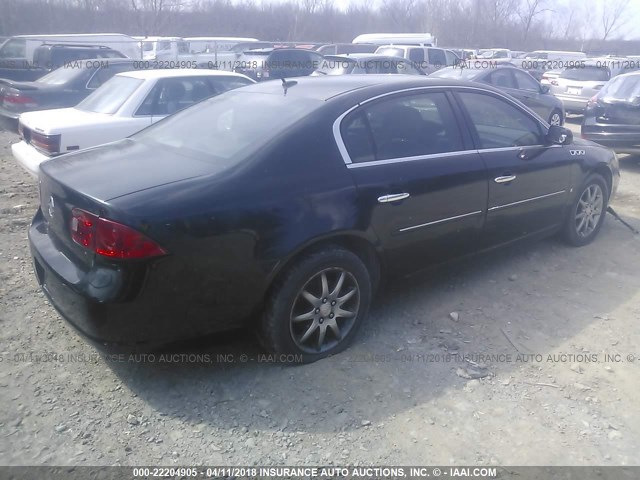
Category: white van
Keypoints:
(555, 55)
(21, 47)
(413, 39)
(215, 44)
(429, 59)
(163, 48)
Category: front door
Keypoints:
(528, 178)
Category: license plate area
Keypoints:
(574, 90)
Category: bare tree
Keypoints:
(529, 11)
(614, 16)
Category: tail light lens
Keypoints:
(16, 98)
(593, 101)
(554, 82)
(111, 239)
(49, 144)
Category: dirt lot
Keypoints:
(546, 313)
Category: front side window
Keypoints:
(526, 82)
(14, 48)
(437, 57)
(402, 126)
(500, 124)
(416, 55)
(501, 78)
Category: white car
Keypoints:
(122, 106)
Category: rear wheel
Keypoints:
(317, 307)
(556, 118)
(587, 212)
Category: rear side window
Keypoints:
(416, 55)
(400, 127)
(171, 95)
(500, 124)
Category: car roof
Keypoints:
(178, 72)
(327, 88)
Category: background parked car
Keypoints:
(125, 104)
(346, 48)
(367, 64)
(550, 77)
(516, 83)
(576, 85)
(17, 53)
(429, 59)
(612, 117)
(64, 87)
(269, 63)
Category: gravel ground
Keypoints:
(546, 313)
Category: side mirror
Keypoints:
(559, 135)
(545, 88)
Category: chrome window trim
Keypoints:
(540, 197)
(435, 222)
(337, 124)
(388, 161)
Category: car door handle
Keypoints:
(505, 179)
(394, 197)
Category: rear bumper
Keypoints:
(619, 142)
(28, 157)
(573, 104)
(121, 304)
(9, 120)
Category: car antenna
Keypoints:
(288, 83)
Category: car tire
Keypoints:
(556, 118)
(587, 212)
(310, 299)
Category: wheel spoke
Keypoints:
(345, 297)
(581, 224)
(312, 328)
(313, 300)
(335, 329)
(340, 313)
(325, 285)
(323, 332)
(305, 316)
(338, 286)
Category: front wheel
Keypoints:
(318, 305)
(556, 118)
(587, 212)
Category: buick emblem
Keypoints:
(52, 205)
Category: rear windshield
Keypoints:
(334, 66)
(111, 95)
(227, 128)
(586, 74)
(622, 88)
(62, 75)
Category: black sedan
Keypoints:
(517, 83)
(612, 117)
(285, 203)
(64, 87)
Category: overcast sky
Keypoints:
(630, 30)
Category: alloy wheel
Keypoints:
(555, 119)
(589, 210)
(325, 310)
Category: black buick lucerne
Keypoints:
(285, 203)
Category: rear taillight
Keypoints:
(593, 101)
(16, 98)
(554, 82)
(47, 143)
(111, 239)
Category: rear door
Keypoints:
(422, 185)
(529, 180)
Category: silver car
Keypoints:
(575, 86)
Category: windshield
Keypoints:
(110, 96)
(61, 75)
(622, 88)
(392, 52)
(586, 74)
(226, 128)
